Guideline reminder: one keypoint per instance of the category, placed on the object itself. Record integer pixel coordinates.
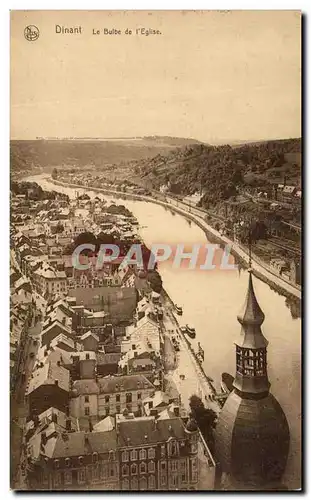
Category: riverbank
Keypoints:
(261, 270)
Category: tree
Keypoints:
(59, 228)
(204, 417)
(155, 281)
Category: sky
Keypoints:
(215, 76)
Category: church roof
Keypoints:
(252, 439)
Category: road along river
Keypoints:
(211, 301)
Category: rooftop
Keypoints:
(113, 384)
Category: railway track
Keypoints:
(288, 248)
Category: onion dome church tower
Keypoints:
(252, 434)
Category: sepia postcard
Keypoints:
(155, 250)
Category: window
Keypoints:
(67, 462)
(112, 455)
(174, 465)
(194, 476)
(87, 356)
(107, 399)
(142, 455)
(125, 484)
(125, 470)
(143, 483)
(133, 455)
(81, 476)
(151, 466)
(174, 448)
(139, 395)
(163, 480)
(57, 479)
(125, 456)
(151, 453)
(183, 478)
(107, 411)
(95, 457)
(163, 465)
(86, 399)
(194, 447)
(194, 463)
(95, 472)
(151, 482)
(118, 408)
(163, 450)
(80, 460)
(67, 477)
(134, 484)
(112, 471)
(86, 410)
(133, 469)
(142, 468)
(56, 464)
(45, 478)
(118, 398)
(174, 480)
(128, 397)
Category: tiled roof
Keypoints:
(61, 338)
(60, 325)
(47, 375)
(83, 443)
(106, 359)
(107, 424)
(86, 386)
(89, 334)
(138, 432)
(109, 385)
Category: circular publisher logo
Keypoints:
(31, 33)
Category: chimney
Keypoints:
(56, 382)
(68, 424)
(54, 418)
(58, 363)
(176, 411)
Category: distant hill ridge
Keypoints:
(53, 152)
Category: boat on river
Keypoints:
(190, 331)
(178, 309)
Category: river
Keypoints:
(211, 301)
